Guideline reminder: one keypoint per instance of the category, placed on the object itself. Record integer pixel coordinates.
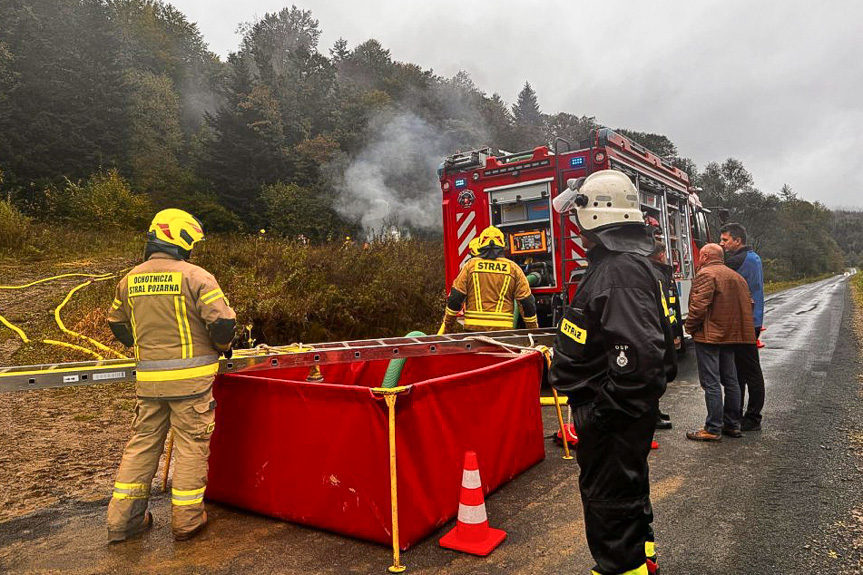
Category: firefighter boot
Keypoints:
(127, 510)
(193, 421)
(641, 570)
(650, 554)
(118, 536)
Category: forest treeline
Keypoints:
(110, 109)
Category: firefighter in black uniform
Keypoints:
(610, 358)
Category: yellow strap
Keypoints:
(477, 292)
(177, 374)
(448, 311)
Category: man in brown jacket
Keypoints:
(177, 319)
(720, 315)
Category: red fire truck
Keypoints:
(514, 192)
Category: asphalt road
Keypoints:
(787, 499)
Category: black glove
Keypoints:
(228, 353)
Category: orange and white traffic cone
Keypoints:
(471, 533)
(571, 435)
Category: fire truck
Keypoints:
(514, 191)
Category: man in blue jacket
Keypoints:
(743, 259)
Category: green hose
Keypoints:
(533, 279)
(394, 369)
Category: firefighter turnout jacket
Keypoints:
(489, 290)
(610, 358)
(610, 349)
(178, 320)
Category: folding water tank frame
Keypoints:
(318, 453)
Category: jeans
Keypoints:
(716, 371)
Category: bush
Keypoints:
(104, 201)
(14, 227)
(292, 210)
(330, 292)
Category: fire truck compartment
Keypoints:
(317, 453)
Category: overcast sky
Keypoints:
(777, 85)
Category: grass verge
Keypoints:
(771, 287)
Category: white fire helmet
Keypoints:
(604, 198)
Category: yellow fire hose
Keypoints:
(64, 329)
(20, 332)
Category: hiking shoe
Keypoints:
(703, 435)
(731, 432)
(186, 535)
(749, 425)
(665, 416)
(118, 536)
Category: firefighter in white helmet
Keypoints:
(489, 286)
(609, 358)
(178, 320)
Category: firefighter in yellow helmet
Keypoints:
(489, 286)
(178, 320)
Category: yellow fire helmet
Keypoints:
(174, 232)
(473, 247)
(491, 235)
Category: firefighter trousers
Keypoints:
(615, 489)
(193, 421)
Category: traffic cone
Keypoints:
(571, 435)
(471, 533)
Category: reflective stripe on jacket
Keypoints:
(491, 288)
(168, 304)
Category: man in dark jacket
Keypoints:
(720, 317)
(743, 259)
(666, 275)
(609, 358)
